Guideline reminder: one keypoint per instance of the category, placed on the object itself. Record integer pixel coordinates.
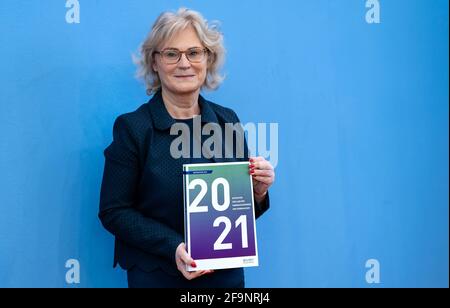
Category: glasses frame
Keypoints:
(160, 52)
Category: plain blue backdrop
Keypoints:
(363, 123)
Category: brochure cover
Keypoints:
(220, 228)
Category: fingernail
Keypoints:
(193, 264)
(251, 160)
(252, 171)
(252, 166)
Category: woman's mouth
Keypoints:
(184, 76)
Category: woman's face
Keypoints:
(183, 77)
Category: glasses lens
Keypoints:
(195, 54)
(171, 56)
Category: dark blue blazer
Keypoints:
(142, 188)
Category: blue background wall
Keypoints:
(363, 134)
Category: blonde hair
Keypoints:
(168, 24)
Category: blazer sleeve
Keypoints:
(260, 207)
(118, 212)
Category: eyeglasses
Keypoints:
(173, 56)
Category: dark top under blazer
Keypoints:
(142, 187)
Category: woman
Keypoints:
(141, 200)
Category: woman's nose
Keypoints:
(184, 62)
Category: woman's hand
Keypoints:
(183, 258)
(263, 177)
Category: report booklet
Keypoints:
(219, 215)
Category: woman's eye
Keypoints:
(171, 54)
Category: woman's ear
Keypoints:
(210, 60)
(154, 64)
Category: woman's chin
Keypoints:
(186, 89)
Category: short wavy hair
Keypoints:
(168, 24)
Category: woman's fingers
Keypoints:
(256, 159)
(262, 165)
(264, 179)
(267, 173)
(193, 275)
(184, 256)
(187, 259)
(189, 275)
(260, 169)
